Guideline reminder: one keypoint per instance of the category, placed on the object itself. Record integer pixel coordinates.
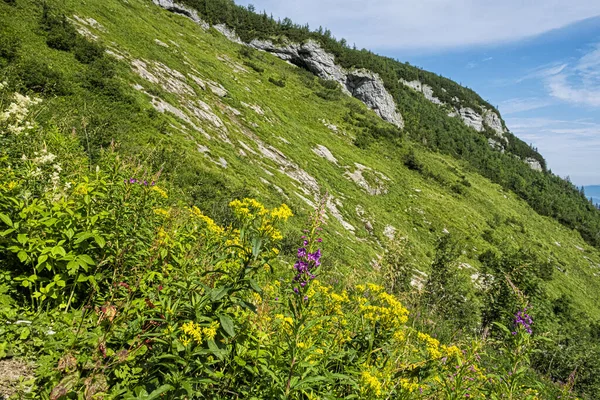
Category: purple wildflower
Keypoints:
(524, 320)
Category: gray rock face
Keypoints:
(309, 55)
(228, 33)
(423, 88)
(362, 84)
(368, 88)
(495, 145)
(183, 10)
(492, 120)
(471, 118)
(534, 164)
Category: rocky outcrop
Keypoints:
(183, 10)
(368, 87)
(534, 164)
(228, 33)
(494, 144)
(362, 84)
(425, 89)
(492, 120)
(471, 118)
(308, 55)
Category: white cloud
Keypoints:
(578, 83)
(514, 106)
(570, 147)
(430, 24)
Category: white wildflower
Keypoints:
(44, 157)
(3, 85)
(16, 113)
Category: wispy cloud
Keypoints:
(570, 147)
(474, 64)
(543, 71)
(579, 82)
(514, 106)
(431, 24)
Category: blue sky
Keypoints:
(538, 61)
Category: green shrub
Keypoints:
(87, 51)
(9, 47)
(412, 162)
(60, 33)
(36, 75)
(254, 66)
(277, 81)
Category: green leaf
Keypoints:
(227, 324)
(4, 218)
(254, 286)
(42, 259)
(504, 328)
(24, 333)
(218, 293)
(22, 256)
(256, 246)
(58, 250)
(80, 237)
(22, 238)
(72, 267)
(87, 259)
(158, 392)
(7, 232)
(216, 350)
(100, 241)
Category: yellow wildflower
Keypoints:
(211, 331)
(372, 383)
(161, 211)
(282, 213)
(210, 224)
(160, 191)
(193, 330)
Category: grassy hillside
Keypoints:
(216, 121)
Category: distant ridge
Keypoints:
(593, 191)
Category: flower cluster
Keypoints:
(192, 331)
(211, 225)
(252, 212)
(133, 181)
(17, 112)
(305, 266)
(524, 320)
(308, 260)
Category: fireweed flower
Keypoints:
(308, 259)
(524, 320)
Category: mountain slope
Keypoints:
(221, 120)
(226, 126)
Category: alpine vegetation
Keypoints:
(201, 202)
